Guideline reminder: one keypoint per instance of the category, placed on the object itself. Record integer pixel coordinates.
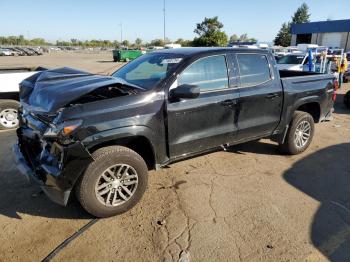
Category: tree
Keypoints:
(157, 42)
(126, 43)
(300, 16)
(209, 33)
(242, 38)
(74, 41)
(283, 37)
(234, 38)
(183, 42)
(138, 42)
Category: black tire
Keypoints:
(290, 145)
(104, 159)
(347, 99)
(8, 105)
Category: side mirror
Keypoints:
(185, 91)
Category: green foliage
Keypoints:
(234, 38)
(20, 40)
(138, 42)
(126, 43)
(183, 42)
(209, 33)
(242, 38)
(157, 42)
(284, 36)
(300, 16)
(89, 43)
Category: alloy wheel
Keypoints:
(302, 134)
(116, 185)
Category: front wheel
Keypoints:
(300, 133)
(113, 183)
(8, 114)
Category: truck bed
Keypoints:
(290, 73)
(319, 87)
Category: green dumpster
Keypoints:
(125, 55)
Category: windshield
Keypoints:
(148, 70)
(291, 59)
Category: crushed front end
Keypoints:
(43, 155)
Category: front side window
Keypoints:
(253, 69)
(208, 73)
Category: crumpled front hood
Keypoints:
(49, 90)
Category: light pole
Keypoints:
(121, 32)
(164, 19)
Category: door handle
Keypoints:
(229, 103)
(272, 95)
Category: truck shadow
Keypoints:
(256, 147)
(339, 106)
(325, 176)
(105, 61)
(17, 196)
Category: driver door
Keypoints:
(208, 121)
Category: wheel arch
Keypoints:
(139, 143)
(309, 105)
(313, 108)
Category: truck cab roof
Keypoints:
(189, 51)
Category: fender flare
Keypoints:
(289, 112)
(300, 102)
(122, 133)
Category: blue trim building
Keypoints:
(333, 34)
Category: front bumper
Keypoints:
(56, 194)
(56, 182)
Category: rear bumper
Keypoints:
(57, 183)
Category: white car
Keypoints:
(9, 90)
(295, 62)
(5, 52)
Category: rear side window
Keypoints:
(208, 73)
(253, 69)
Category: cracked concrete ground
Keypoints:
(247, 204)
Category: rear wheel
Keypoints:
(299, 135)
(113, 183)
(8, 114)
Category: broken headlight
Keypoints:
(63, 131)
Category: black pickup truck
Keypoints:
(99, 135)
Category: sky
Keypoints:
(92, 19)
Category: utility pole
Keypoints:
(121, 32)
(164, 20)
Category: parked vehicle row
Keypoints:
(21, 51)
